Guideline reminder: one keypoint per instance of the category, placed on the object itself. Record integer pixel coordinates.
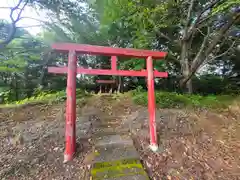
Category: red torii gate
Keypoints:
(72, 70)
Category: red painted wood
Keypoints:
(107, 51)
(106, 81)
(70, 131)
(72, 70)
(143, 73)
(151, 103)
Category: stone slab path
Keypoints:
(115, 157)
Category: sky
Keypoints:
(28, 12)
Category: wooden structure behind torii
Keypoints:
(103, 82)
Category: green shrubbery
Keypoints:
(47, 97)
(175, 100)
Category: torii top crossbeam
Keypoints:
(72, 70)
(107, 51)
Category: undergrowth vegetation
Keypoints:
(176, 100)
(139, 95)
(46, 97)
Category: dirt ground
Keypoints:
(194, 144)
(32, 139)
(32, 145)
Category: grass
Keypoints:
(45, 97)
(176, 100)
(163, 99)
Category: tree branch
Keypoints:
(198, 61)
(185, 32)
(172, 58)
(165, 36)
(219, 35)
(21, 10)
(220, 55)
(197, 58)
(37, 25)
(223, 30)
(12, 30)
(47, 56)
(160, 34)
(13, 9)
(24, 17)
(190, 9)
(5, 7)
(44, 22)
(200, 31)
(202, 21)
(201, 50)
(194, 25)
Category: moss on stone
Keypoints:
(132, 161)
(119, 168)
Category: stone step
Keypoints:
(83, 125)
(115, 157)
(102, 134)
(113, 140)
(115, 152)
(133, 177)
(106, 125)
(108, 131)
(82, 128)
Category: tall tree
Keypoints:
(8, 30)
(190, 31)
(20, 64)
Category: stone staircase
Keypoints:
(115, 156)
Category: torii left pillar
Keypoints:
(71, 107)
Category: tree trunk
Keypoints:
(189, 86)
(119, 84)
(16, 88)
(184, 61)
(100, 91)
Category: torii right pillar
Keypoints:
(151, 105)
